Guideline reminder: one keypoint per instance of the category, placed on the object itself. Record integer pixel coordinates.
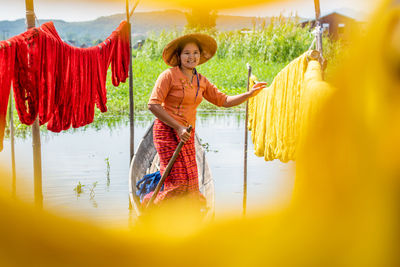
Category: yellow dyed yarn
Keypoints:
(313, 95)
(277, 113)
(348, 169)
(274, 113)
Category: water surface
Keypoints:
(83, 155)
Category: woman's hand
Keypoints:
(235, 100)
(257, 88)
(183, 134)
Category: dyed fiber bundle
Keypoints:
(315, 90)
(82, 74)
(273, 113)
(279, 114)
(348, 169)
(314, 94)
(7, 58)
(60, 83)
(26, 76)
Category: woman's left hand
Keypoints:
(257, 88)
(235, 100)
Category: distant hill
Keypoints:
(143, 22)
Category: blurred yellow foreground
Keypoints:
(345, 209)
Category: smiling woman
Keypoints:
(174, 101)
(190, 57)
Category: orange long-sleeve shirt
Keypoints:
(174, 92)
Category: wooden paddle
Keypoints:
(167, 170)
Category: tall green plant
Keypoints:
(281, 41)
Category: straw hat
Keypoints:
(207, 43)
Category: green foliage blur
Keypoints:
(280, 41)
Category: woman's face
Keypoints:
(190, 56)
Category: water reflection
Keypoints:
(97, 158)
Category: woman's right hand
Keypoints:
(162, 115)
(183, 134)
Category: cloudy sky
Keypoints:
(81, 10)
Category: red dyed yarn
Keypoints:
(7, 59)
(26, 75)
(60, 83)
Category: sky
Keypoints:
(83, 10)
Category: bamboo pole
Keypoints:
(37, 154)
(317, 9)
(131, 99)
(245, 145)
(133, 8)
(11, 120)
(318, 25)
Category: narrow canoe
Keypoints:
(146, 161)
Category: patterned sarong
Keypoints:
(183, 178)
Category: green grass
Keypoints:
(267, 49)
(229, 75)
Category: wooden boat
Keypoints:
(146, 161)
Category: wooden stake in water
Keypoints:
(11, 120)
(37, 153)
(131, 99)
(129, 14)
(245, 145)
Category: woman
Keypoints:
(176, 95)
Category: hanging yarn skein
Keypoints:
(57, 82)
(277, 115)
(7, 58)
(62, 83)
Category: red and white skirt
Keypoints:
(183, 179)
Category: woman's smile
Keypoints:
(190, 56)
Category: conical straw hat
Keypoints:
(207, 43)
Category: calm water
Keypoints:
(81, 155)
